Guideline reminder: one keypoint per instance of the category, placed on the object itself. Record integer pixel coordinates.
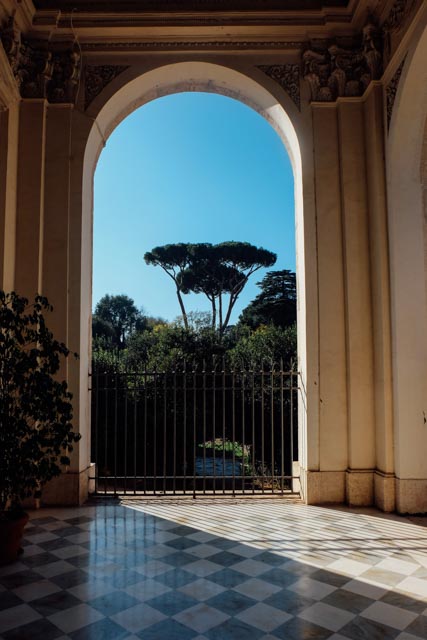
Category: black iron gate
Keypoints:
(193, 431)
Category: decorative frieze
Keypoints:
(287, 76)
(192, 45)
(391, 91)
(97, 77)
(338, 68)
(39, 70)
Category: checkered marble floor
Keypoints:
(216, 570)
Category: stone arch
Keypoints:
(408, 275)
(130, 91)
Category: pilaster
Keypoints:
(358, 300)
(333, 438)
(380, 287)
(56, 216)
(30, 201)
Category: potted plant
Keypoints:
(36, 433)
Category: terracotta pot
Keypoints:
(11, 530)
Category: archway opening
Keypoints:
(206, 174)
(213, 78)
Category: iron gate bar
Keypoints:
(282, 429)
(253, 423)
(262, 434)
(160, 394)
(125, 462)
(243, 431)
(213, 424)
(174, 432)
(223, 425)
(291, 405)
(145, 433)
(134, 440)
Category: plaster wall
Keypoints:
(361, 349)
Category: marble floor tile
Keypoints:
(76, 617)
(418, 627)
(202, 589)
(39, 630)
(216, 570)
(138, 617)
(309, 588)
(17, 616)
(264, 617)
(408, 636)
(327, 616)
(203, 567)
(257, 588)
(36, 590)
(201, 617)
(389, 614)
(398, 566)
(364, 629)
(147, 589)
(414, 586)
(349, 567)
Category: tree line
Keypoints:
(124, 336)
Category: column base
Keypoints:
(322, 487)
(385, 491)
(411, 496)
(359, 487)
(363, 488)
(68, 489)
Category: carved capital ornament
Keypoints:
(336, 69)
(41, 71)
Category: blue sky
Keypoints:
(190, 167)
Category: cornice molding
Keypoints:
(231, 19)
(192, 5)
